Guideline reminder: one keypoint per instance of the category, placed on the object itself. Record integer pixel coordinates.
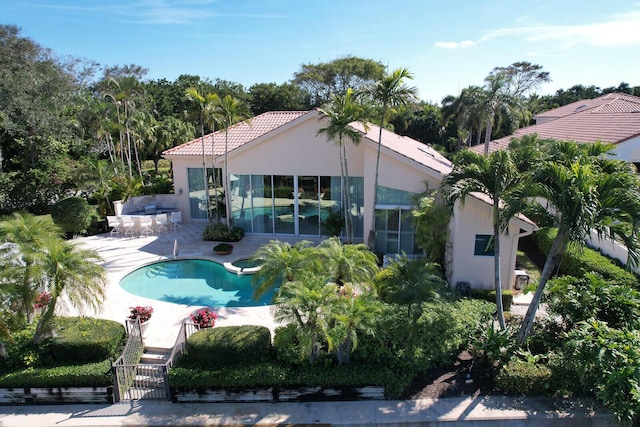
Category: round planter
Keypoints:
(223, 252)
(144, 326)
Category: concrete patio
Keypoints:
(122, 255)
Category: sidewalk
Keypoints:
(470, 411)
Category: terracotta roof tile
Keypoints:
(239, 134)
(258, 126)
(612, 118)
(407, 147)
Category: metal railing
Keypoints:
(136, 381)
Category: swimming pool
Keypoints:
(193, 282)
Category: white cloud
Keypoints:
(619, 30)
(455, 45)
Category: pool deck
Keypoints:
(122, 255)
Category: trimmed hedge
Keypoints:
(579, 261)
(490, 296)
(72, 214)
(86, 340)
(228, 345)
(519, 377)
(87, 375)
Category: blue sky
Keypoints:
(447, 45)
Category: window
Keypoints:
(484, 245)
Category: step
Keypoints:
(155, 355)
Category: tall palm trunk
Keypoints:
(487, 135)
(496, 263)
(348, 198)
(45, 320)
(225, 181)
(371, 241)
(558, 249)
(204, 174)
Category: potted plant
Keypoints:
(223, 248)
(204, 318)
(143, 312)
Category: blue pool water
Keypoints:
(193, 282)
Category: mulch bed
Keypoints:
(463, 377)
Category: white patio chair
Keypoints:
(128, 226)
(162, 223)
(176, 220)
(114, 223)
(144, 224)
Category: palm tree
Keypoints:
(172, 132)
(103, 176)
(497, 177)
(203, 103)
(73, 275)
(29, 236)
(587, 190)
(144, 131)
(351, 312)
(307, 302)
(390, 91)
(347, 263)
(342, 111)
(124, 93)
(408, 282)
(496, 98)
(281, 262)
(230, 111)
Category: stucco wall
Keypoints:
(475, 218)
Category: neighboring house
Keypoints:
(612, 118)
(285, 180)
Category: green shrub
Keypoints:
(579, 299)
(275, 375)
(434, 339)
(490, 296)
(228, 345)
(85, 340)
(607, 361)
(72, 214)
(286, 345)
(577, 261)
(86, 375)
(222, 233)
(522, 377)
(79, 340)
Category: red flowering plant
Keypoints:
(205, 318)
(42, 300)
(143, 312)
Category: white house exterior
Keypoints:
(284, 179)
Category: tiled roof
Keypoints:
(410, 148)
(613, 102)
(258, 126)
(612, 118)
(239, 134)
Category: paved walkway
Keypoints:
(122, 255)
(471, 411)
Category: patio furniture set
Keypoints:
(144, 225)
